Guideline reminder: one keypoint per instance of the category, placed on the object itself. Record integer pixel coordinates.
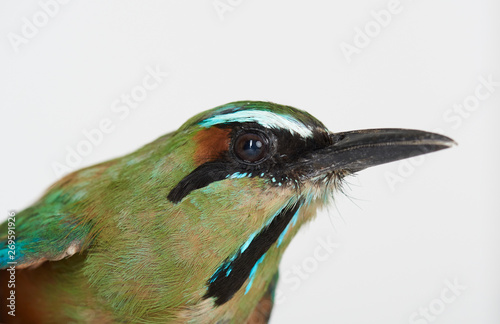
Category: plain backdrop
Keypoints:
(409, 242)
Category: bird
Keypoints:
(191, 227)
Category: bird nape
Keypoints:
(189, 228)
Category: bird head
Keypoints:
(258, 170)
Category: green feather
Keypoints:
(128, 254)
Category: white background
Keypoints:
(396, 245)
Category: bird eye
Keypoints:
(251, 147)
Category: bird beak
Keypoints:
(357, 150)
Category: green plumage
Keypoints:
(141, 258)
(105, 245)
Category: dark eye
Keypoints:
(251, 147)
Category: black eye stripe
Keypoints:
(283, 151)
(220, 169)
(200, 177)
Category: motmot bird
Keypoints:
(190, 228)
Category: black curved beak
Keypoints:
(357, 150)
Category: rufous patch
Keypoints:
(211, 143)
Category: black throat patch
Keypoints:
(235, 270)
